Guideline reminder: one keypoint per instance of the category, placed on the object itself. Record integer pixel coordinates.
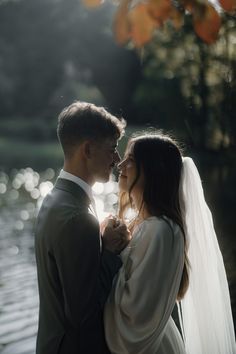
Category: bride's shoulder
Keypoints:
(161, 224)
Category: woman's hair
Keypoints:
(159, 158)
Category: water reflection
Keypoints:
(21, 194)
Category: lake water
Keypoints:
(21, 194)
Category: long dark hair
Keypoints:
(160, 160)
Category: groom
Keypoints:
(75, 264)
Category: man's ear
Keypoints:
(87, 149)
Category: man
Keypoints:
(75, 264)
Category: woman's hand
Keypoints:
(115, 234)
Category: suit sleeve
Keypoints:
(110, 264)
(86, 275)
(77, 254)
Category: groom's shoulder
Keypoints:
(60, 212)
(60, 205)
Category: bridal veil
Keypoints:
(205, 311)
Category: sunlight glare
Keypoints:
(4, 177)
(109, 187)
(98, 188)
(35, 193)
(16, 183)
(14, 250)
(45, 188)
(50, 173)
(24, 214)
(112, 199)
(3, 188)
(13, 194)
(100, 209)
(29, 185)
(19, 225)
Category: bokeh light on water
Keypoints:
(105, 203)
(21, 195)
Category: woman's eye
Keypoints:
(129, 161)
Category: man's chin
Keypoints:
(104, 179)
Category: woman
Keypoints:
(156, 271)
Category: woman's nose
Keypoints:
(120, 165)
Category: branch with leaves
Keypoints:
(137, 22)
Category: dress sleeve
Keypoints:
(143, 298)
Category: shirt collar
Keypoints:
(85, 186)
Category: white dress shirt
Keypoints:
(85, 186)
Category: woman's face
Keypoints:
(128, 172)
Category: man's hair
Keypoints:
(84, 121)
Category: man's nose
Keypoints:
(121, 165)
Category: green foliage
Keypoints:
(20, 154)
(52, 53)
(31, 130)
(191, 87)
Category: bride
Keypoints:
(173, 257)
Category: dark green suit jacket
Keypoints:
(74, 275)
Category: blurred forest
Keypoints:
(53, 52)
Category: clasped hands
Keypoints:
(115, 234)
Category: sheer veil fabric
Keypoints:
(205, 314)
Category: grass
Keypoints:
(21, 154)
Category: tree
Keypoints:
(138, 21)
(189, 86)
(54, 52)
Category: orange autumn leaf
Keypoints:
(160, 9)
(188, 5)
(142, 25)
(207, 25)
(228, 5)
(121, 24)
(92, 3)
(177, 18)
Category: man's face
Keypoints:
(103, 158)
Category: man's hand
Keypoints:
(116, 235)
